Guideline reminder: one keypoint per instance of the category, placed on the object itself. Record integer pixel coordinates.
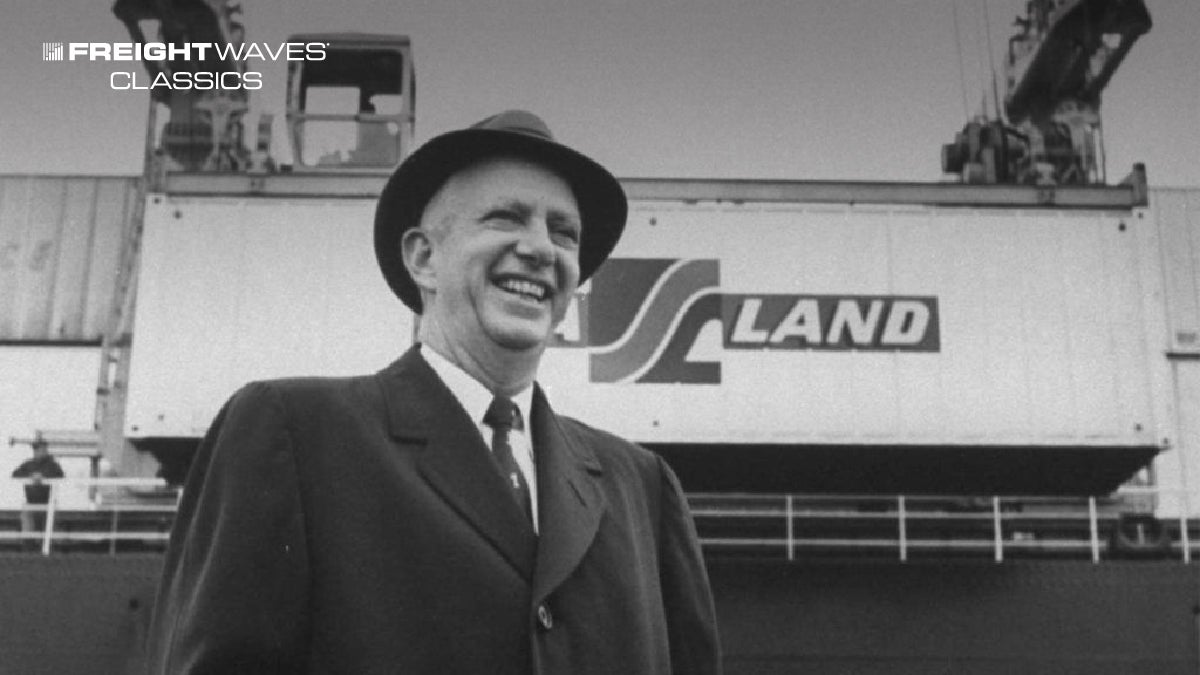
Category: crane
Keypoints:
(1058, 63)
(204, 128)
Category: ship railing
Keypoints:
(96, 513)
(909, 527)
(119, 513)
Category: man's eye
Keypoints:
(505, 215)
(568, 234)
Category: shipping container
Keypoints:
(763, 336)
(60, 246)
(232, 290)
(1176, 212)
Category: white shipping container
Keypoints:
(235, 290)
(715, 322)
(1032, 329)
(1176, 213)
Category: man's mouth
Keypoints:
(530, 290)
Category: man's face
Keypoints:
(504, 237)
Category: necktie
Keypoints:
(503, 416)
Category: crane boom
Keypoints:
(1058, 64)
(204, 128)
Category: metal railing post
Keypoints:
(1094, 528)
(791, 539)
(902, 510)
(1184, 536)
(48, 523)
(997, 533)
(112, 544)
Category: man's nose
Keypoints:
(534, 243)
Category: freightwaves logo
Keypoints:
(641, 320)
(199, 66)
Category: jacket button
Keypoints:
(544, 617)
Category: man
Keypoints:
(414, 522)
(37, 494)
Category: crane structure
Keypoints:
(349, 109)
(1058, 63)
(204, 130)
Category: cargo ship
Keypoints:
(924, 427)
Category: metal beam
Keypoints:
(369, 184)
(851, 192)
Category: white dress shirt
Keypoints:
(475, 399)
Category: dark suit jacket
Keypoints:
(359, 525)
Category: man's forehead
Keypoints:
(501, 182)
(509, 178)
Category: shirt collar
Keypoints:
(471, 394)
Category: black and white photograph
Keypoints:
(600, 337)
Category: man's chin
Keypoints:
(521, 338)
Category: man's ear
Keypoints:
(416, 251)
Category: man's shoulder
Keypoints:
(305, 393)
(583, 430)
(608, 447)
(312, 385)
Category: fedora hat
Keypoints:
(601, 200)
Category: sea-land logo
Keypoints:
(641, 319)
(198, 66)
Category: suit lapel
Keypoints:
(453, 459)
(570, 502)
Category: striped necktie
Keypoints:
(503, 416)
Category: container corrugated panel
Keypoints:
(232, 290)
(1177, 212)
(60, 247)
(713, 323)
(868, 325)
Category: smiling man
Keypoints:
(496, 258)
(439, 516)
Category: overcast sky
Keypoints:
(846, 89)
